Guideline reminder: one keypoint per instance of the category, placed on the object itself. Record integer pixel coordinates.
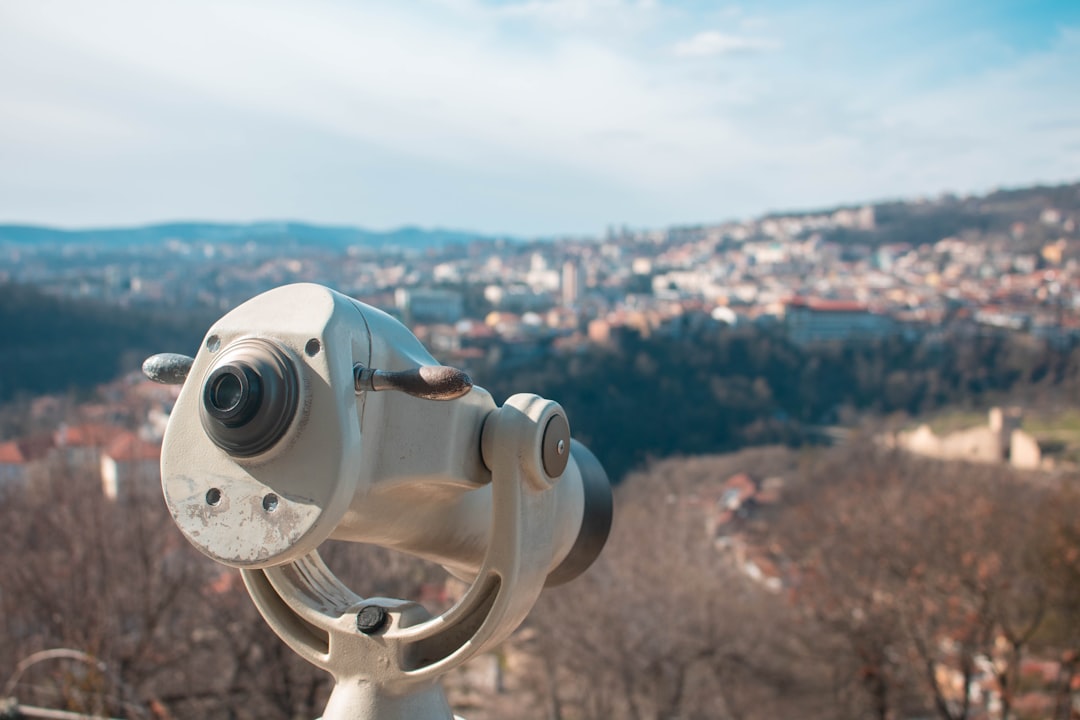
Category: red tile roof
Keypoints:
(25, 450)
(739, 488)
(828, 305)
(88, 435)
(128, 447)
(10, 454)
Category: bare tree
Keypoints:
(176, 633)
(665, 626)
(925, 570)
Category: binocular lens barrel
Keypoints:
(226, 392)
(595, 521)
(232, 394)
(249, 397)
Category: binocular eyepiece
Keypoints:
(249, 398)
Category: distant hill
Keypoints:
(914, 221)
(333, 237)
(54, 344)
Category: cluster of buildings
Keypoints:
(790, 273)
(114, 442)
(819, 276)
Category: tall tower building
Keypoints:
(571, 283)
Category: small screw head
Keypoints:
(554, 445)
(371, 619)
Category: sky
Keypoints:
(525, 117)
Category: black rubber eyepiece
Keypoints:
(249, 397)
(232, 394)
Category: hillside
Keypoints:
(717, 390)
(836, 583)
(918, 221)
(286, 233)
(711, 390)
(54, 345)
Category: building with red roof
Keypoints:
(81, 445)
(129, 466)
(811, 320)
(20, 458)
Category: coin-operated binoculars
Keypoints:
(308, 416)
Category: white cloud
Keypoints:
(713, 42)
(538, 117)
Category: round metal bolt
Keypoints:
(554, 445)
(371, 619)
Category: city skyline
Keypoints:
(529, 119)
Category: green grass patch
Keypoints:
(957, 420)
(1065, 422)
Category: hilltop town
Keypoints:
(1004, 265)
(1009, 260)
